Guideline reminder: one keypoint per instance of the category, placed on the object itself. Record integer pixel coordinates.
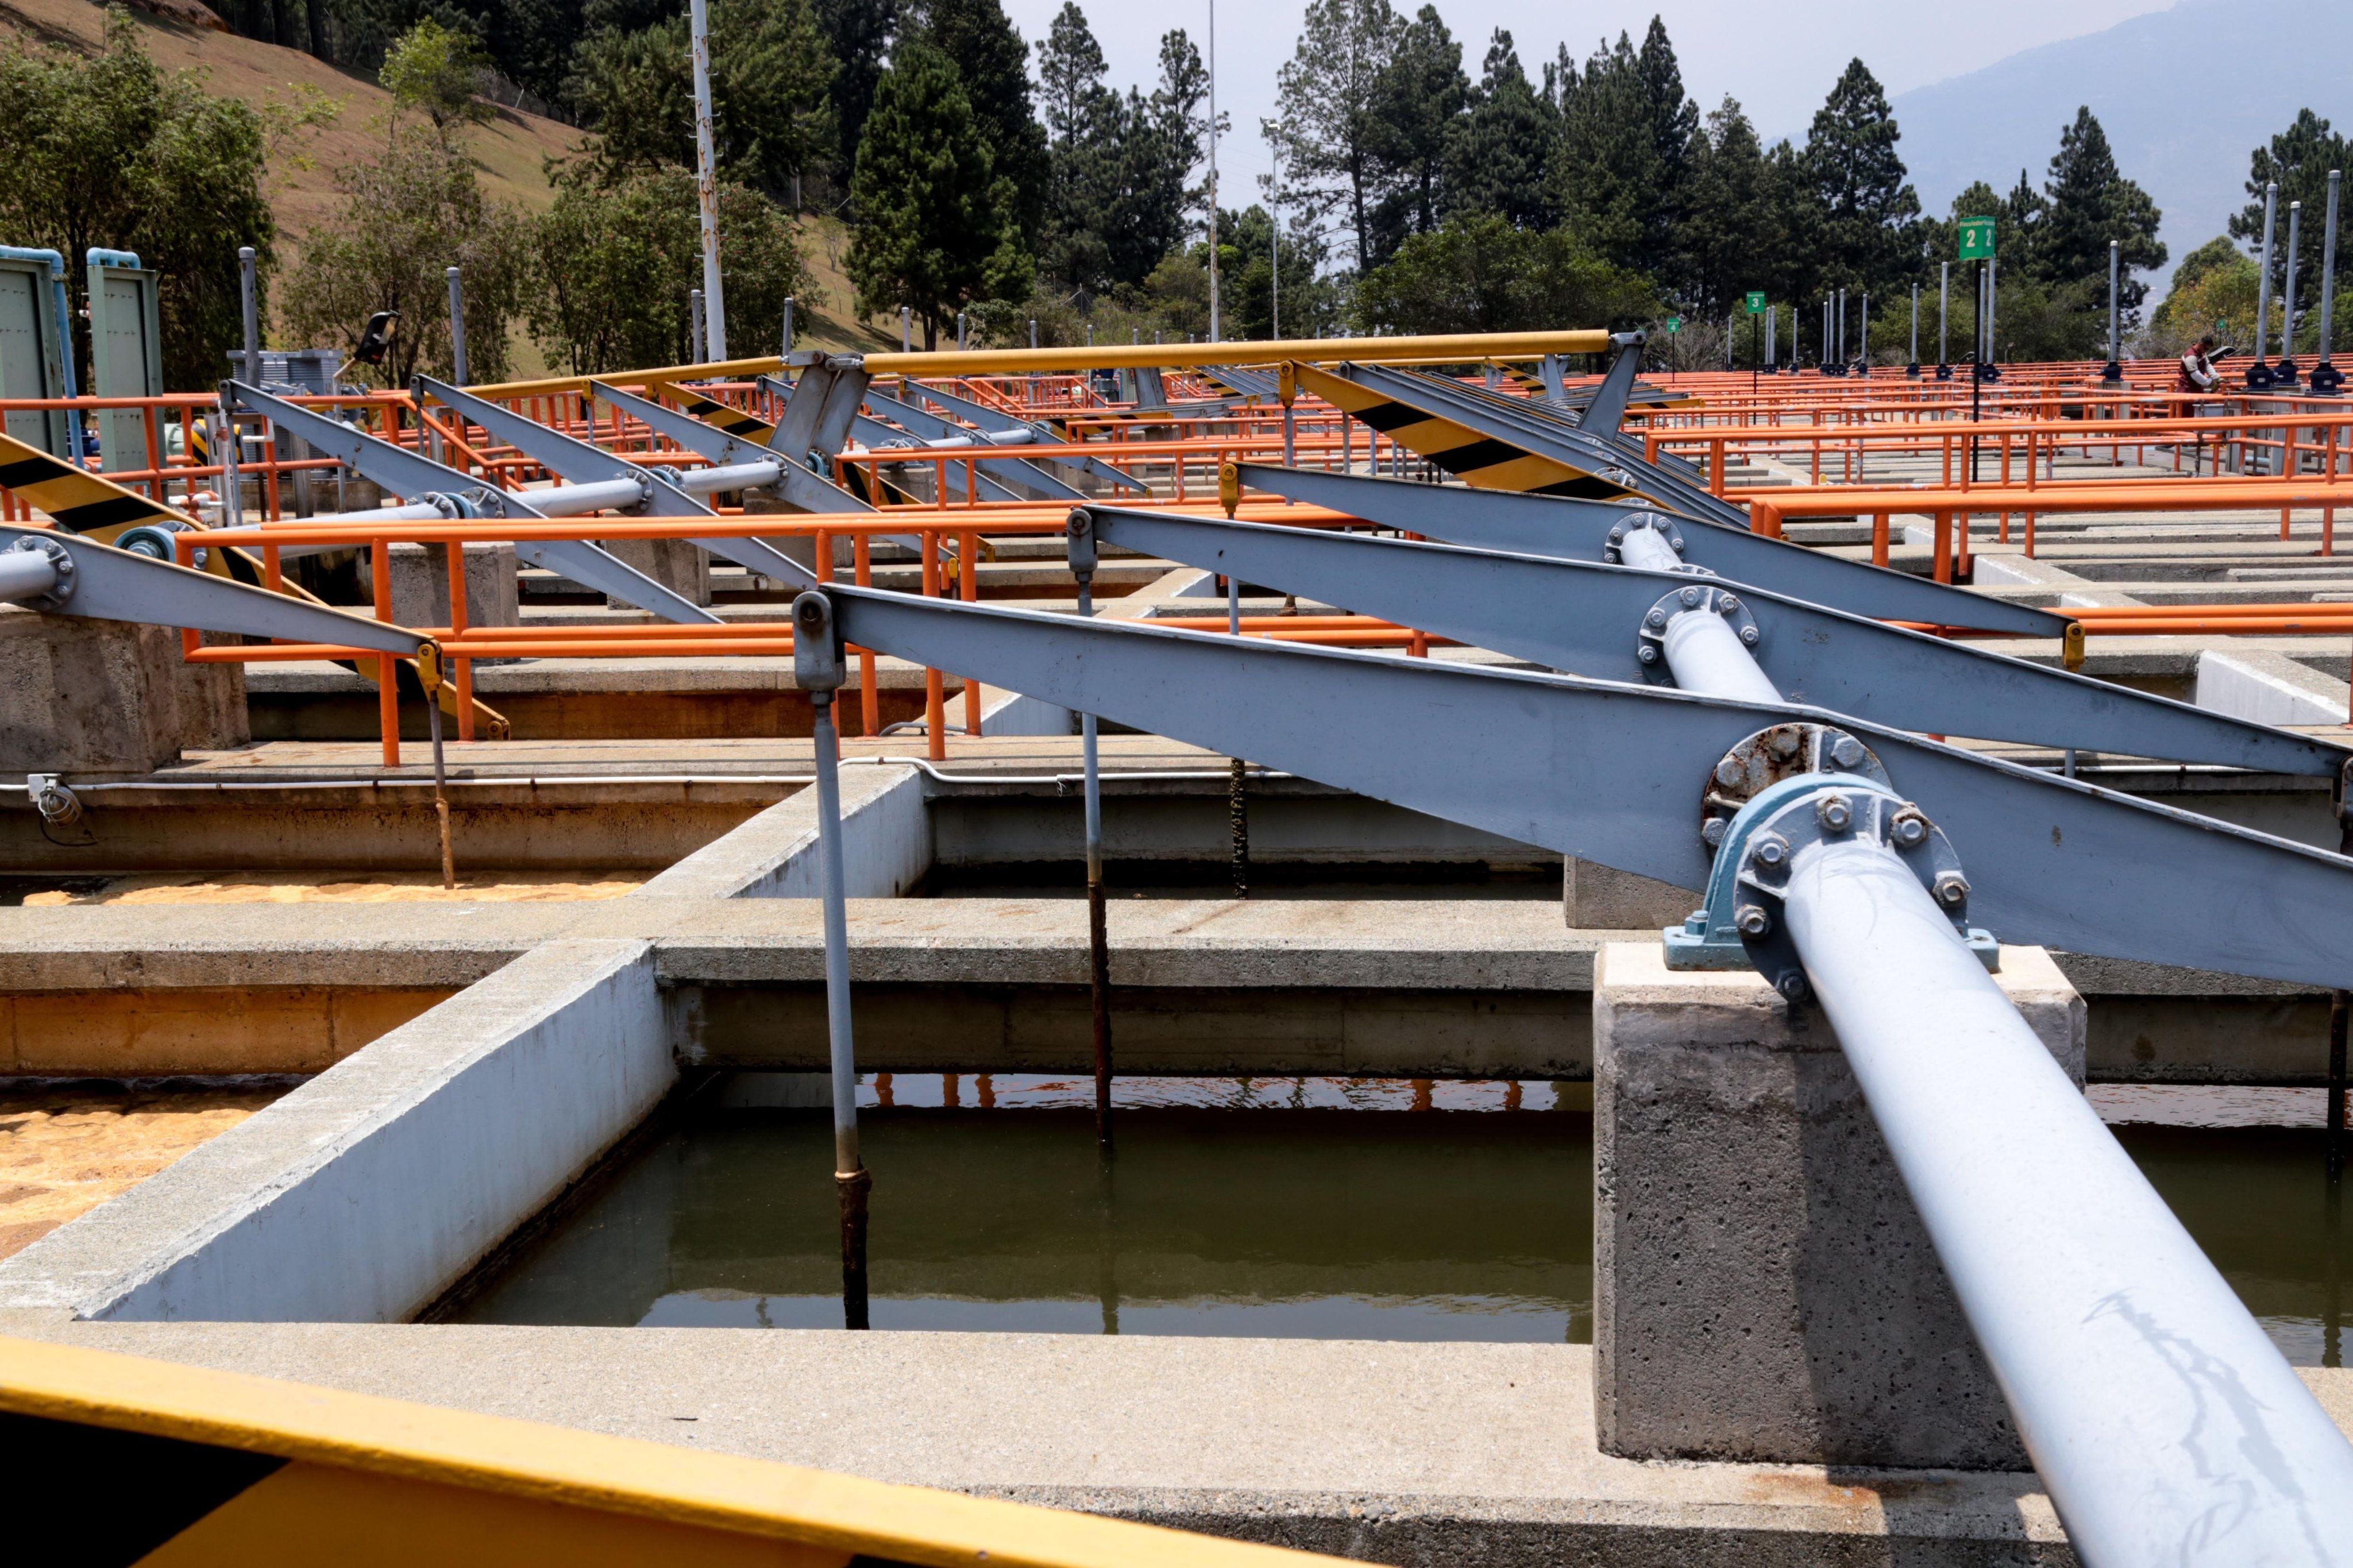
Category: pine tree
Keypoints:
(1869, 210)
(2299, 159)
(1673, 122)
(938, 226)
(2092, 203)
(1328, 138)
(859, 34)
(1419, 96)
(1607, 176)
(1729, 224)
(993, 66)
(1496, 152)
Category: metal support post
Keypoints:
(1863, 340)
(249, 294)
(706, 182)
(817, 668)
(428, 669)
(2259, 374)
(2325, 377)
(789, 303)
(1083, 554)
(2284, 374)
(1912, 365)
(1841, 329)
(232, 483)
(960, 331)
(1944, 321)
(1772, 317)
(906, 331)
(1993, 296)
(2114, 371)
(695, 339)
(456, 328)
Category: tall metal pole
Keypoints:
(457, 329)
(706, 182)
(1993, 295)
(1842, 329)
(1863, 338)
(1216, 333)
(817, 668)
(1943, 316)
(2285, 374)
(789, 303)
(1772, 317)
(2326, 376)
(1081, 544)
(907, 329)
(2259, 374)
(249, 289)
(2116, 370)
(1912, 366)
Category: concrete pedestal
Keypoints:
(1763, 1287)
(420, 586)
(681, 567)
(1601, 898)
(88, 696)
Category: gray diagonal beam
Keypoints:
(1615, 774)
(1582, 618)
(1574, 530)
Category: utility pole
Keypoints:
(1216, 332)
(2114, 371)
(1274, 254)
(706, 186)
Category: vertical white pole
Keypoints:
(1217, 334)
(706, 186)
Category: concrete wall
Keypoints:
(362, 1195)
(886, 835)
(83, 695)
(2267, 688)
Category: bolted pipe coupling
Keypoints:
(1742, 925)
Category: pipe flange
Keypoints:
(1651, 642)
(154, 540)
(1743, 924)
(1667, 528)
(1771, 756)
(61, 558)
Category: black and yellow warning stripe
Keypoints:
(96, 508)
(131, 1461)
(724, 415)
(1480, 460)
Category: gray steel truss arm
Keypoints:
(988, 418)
(1584, 619)
(1008, 467)
(583, 462)
(1606, 411)
(796, 484)
(414, 476)
(1571, 529)
(881, 438)
(84, 578)
(1615, 774)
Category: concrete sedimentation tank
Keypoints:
(1879, 839)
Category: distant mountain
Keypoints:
(2184, 95)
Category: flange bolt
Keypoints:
(1690, 597)
(1712, 831)
(1646, 654)
(1726, 605)
(1655, 618)
(1792, 987)
(1846, 751)
(1836, 815)
(1727, 771)
(1748, 637)
(1752, 920)
(1770, 849)
(1952, 890)
(1910, 830)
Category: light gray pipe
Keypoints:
(2165, 1424)
(2328, 270)
(25, 574)
(1707, 657)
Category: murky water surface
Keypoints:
(1306, 1208)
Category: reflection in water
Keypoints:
(1308, 1223)
(1322, 1208)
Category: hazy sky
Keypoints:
(1779, 58)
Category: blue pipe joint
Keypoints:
(1742, 924)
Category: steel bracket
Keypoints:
(62, 560)
(1742, 924)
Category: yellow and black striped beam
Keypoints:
(724, 415)
(96, 507)
(1478, 460)
(117, 1459)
